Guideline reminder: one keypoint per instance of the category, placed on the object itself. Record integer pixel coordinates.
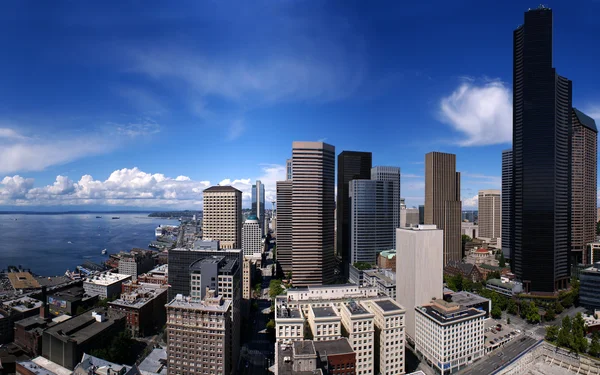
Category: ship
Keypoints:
(98, 217)
(158, 231)
(104, 252)
(115, 217)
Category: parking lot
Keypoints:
(497, 336)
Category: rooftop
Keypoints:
(388, 277)
(23, 280)
(286, 368)
(22, 304)
(500, 284)
(422, 227)
(93, 365)
(73, 293)
(593, 269)
(155, 362)
(356, 309)
(585, 120)
(333, 347)
(138, 298)
(106, 278)
(222, 189)
(286, 312)
(217, 304)
(83, 327)
(388, 254)
(447, 313)
(304, 347)
(467, 299)
(388, 305)
(55, 368)
(323, 312)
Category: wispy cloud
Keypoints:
(594, 112)
(470, 202)
(142, 100)
(236, 129)
(410, 175)
(481, 112)
(478, 178)
(143, 127)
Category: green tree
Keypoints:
(496, 312)
(457, 281)
(551, 333)
(465, 239)
(502, 262)
(565, 339)
(568, 300)
(595, 345)
(508, 320)
(467, 284)
(362, 266)
(275, 288)
(580, 343)
(511, 307)
(550, 315)
(493, 275)
(270, 325)
(558, 307)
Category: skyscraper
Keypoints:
(541, 200)
(371, 219)
(258, 204)
(352, 165)
(288, 169)
(284, 225)
(489, 207)
(584, 170)
(222, 216)
(442, 201)
(390, 174)
(313, 205)
(251, 237)
(507, 215)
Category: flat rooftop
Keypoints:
(324, 312)
(73, 293)
(388, 305)
(356, 309)
(106, 278)
(382, 276)
(196, 304)
(286, 368)
(23, 280)
(467, 299)
(155, 362)
(443, 317)
(304, 347)
(22, 304)
(333, 347)
(83, 327)
(51, 366)
(286, 312)
(138, 298)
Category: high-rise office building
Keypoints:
(489, 211)
(507, 216)
(584, 179)
(541, 201)
(421, 214)
(288, 169)
(419, 269)
(313, 205)
(258, 204)
(352, 165)
(251, 237)
(442, 201)
(284, 225)
(390, 174)
(222, 216)
(371, 219)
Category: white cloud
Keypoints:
(482, 113)
(236, 129)
(477, 178)
(141, 128)
(10, 133)
(470, 203)
(15, 187)
(593, 112)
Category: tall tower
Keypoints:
(258, 204)
(584, 178)
(222, 216)
(313, 205)
(489, 213)
(251, 237)
(284, 225)
(442, 201)
(390, 174)
(507, 215)
(541, 200)
(352, 165)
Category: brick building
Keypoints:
(144, 309)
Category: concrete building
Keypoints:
(390, 334)
(391, 174)
(222, 216)
(91, 365)
(442, 201)
(470, 300)
(352, 165)
(336, 356)
(589, 286)
(305, 357)
(504, 286)
(313, 220)
(482, 256)
(469, 229)
(382, 279)
(387, 259)
(66, 300)
(360, 328)
(40, 366)
(248, 270)
(324, 322)
(208, 324)
(584, 145)
(136, 262)
(65, 343)
(371, 219)
(104, 285)
(419, 269)
(449, 336)
(258, 205)
(507, 216)
(409, 217)
(143, 308)
(251, 237)
(284, 225)
(490, 216)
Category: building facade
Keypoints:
(136, 262)
(409, 217)
(371, 219)
(389, 336)
(541, 199)
(507, 215)
(381, 173)
(144, 309)
(490, 214)
(313, 220)
(360, 328)
(584, 179)
(352, 165)
(251, 237)
(222, 216)
(258, 204)
(589, 286)
(387, 259)
(104, 285)
(284, 225)
(442, 201)
(419, 269)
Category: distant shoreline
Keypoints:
(70, 212)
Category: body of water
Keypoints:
(51, 244)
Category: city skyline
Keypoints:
(125, 133)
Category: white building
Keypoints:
(325, 323)
(359, 324)
(104, 285)
(448, 335)
(383, 279)
(251, 237)
(419, 269)
(330, 292)
(390, 323)
(289, 323)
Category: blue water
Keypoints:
(41, 242)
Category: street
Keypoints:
(499, 358)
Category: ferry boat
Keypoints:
(115, 217)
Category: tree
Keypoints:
(496, 312)
(511, 307)
(595, 345)
(275, 288)
(493, 275)
(558, 307)
(508, 320)
(465, 239)
(270, 325)
(565, 339)
(289, 275)
(362, 266)
(551, 333)
(568, 300)
(580, 343)
(467, 284)
(502, 262)
(550, 315)
(457, 281)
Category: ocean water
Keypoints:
(41, 242)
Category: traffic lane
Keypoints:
(496, 360)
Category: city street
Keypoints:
(257, 353)
(500, 357)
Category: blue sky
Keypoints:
(143, 104)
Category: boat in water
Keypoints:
(69, 242)
(98, 217)
(115, 217)
(104, 252)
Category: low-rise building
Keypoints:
(325, 323)
(306, 357)
(68, 300)
(91, 365)
(41, 366)
(23, 281)
(336, 356)
(504, 286)
(144, 309)
(14, 310)
(470, 300)
(387, 259)
(389, 334)
(382, 279)
(105, 284)
(155, 363)
(589, 285)
(29, 331)
(449, 336)
(482, 256)
(467, 270)
(136, 262)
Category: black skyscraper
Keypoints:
(352, 165)
(541, 192)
